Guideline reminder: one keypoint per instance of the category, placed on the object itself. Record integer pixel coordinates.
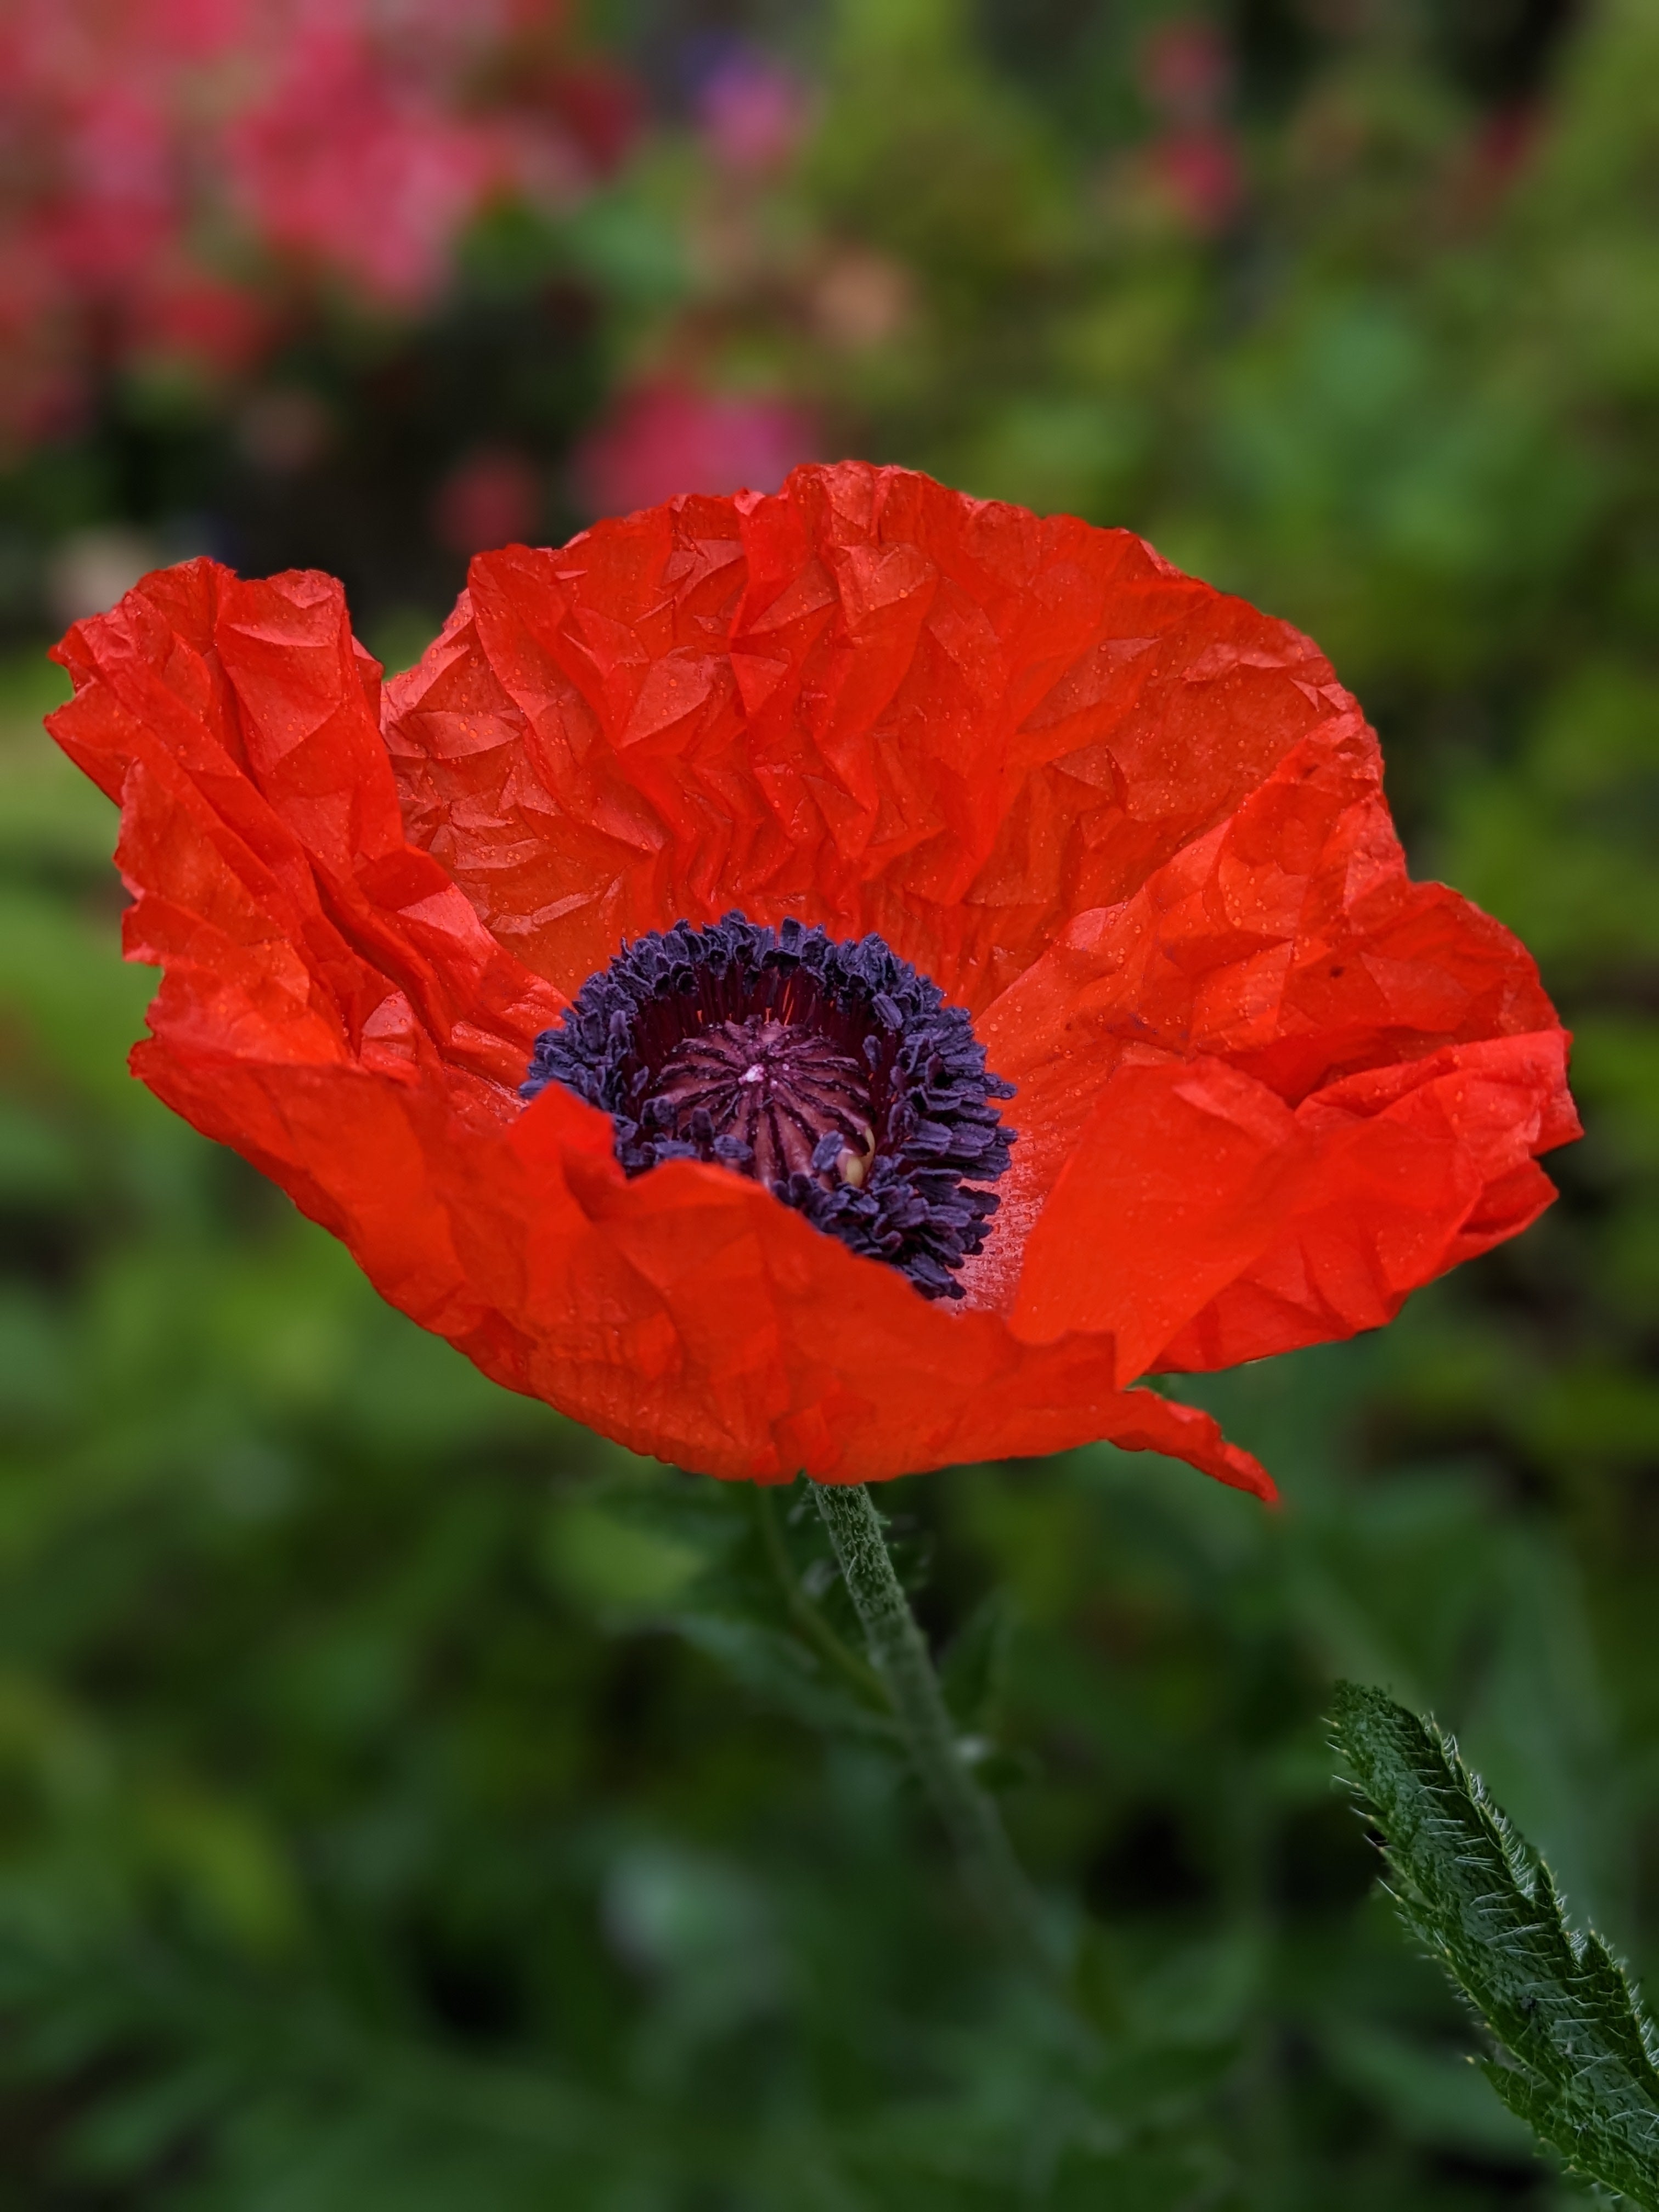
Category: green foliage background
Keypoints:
(408, 1801)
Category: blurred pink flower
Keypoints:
(187, 314)
(492, 497)
(120, 200)
(754, 112)
(1200, 169)
(666, 437)
(358, 167)
(155, 150)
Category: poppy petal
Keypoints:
(1191, 1063)
(868, 702)
(1193, 1181)
(1266, 1084)
(331, 1007)
(691, 1315)
(247, 713)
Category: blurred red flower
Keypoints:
(184, 313)
(593, 99)
(490, 498)
(1200, 169)
(667, 437)
(1264, 1084)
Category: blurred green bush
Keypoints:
(406, 1800)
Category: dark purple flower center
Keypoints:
(833, 1073)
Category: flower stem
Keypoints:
(857, 1673)
(900, 1652)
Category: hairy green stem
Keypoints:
(900, 1653)
(858, 1672)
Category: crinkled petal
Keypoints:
(868, 702)
(1266, 1085)
(689, 1314)
(333, 1007)
(1272, 1093)
(236, 724)
(1200, 1221)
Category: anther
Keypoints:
(833, 1073)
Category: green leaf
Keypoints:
(1578, 2055)
(779, 1671)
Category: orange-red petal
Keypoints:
(1200, 1221)
(1266, 1084)
(867, 702)
(332, 1008)
(1272, 1093)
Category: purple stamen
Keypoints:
(833, 1073)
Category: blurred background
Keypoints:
(407, 1801)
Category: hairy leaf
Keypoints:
(1577, 2056)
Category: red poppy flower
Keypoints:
(1262, 1085)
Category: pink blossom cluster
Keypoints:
(665, 435)
(174, 174)
(672, 429)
